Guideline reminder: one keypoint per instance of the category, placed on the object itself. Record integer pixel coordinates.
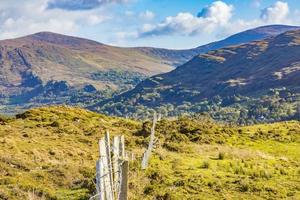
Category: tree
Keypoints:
(297, 115)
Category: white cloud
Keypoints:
(216, 15)
(238, 26)
(217, 19)
(256, 3)
(80, 4)
(147, 15)
(96, 19)
(123, 35)
(32, 16)
(218, 12)
(276, 13)
(129, 13)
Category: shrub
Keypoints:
(221, 156)
(4, 119)
(283, 171)
(244, 186)
(172, 146)
(148, 189)
(205, 165)
(239, 170)
(166, 196)
(265, 174)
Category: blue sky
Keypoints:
(160, 23)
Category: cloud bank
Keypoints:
(216, 18)
(33, 16)
(134, 25)
(80, 4)
(216, 15)
(276, 13)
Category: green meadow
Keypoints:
(50, 153)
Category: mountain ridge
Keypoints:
(249, 71)
(258, 33)
(52, 68)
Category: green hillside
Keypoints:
(50, 153)
(48, 68)
(249, 83)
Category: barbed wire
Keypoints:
(116, 177)
(116, 183)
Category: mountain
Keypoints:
(179, 57)
(49, 68)
(259, 33)
(265, 68)
(51, 152)
(43, 57)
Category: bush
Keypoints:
(171, 146)
(205, 165)
(221, 156)
(265, 174)
(3, 119)
(148, 189)
(244, 186)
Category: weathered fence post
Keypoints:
(115, 162)
(99, 180)
(112, 169)
(145, 160)
(122, 146)
(132, 156)
(124, 180)
(159, 117)
(106, 172)
(147, 154)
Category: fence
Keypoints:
(148, 152)
(111, 170)
(112, 167)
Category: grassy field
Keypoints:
(50, 153)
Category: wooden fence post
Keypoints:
(147, 154)
(108, 153)
(124, 180)
(132, 156)
(112, 169)
(159, 117)
(122, 146)
(144, 160)
(106, 173)
(115, 162)
(99, 180)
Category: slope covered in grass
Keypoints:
(50, 153)
(248, 83)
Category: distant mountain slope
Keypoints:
(49, 56)
(53, 68)
(251, 70)
(45, 56)
(179, 57)
(259, 33)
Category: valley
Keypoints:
(248, 83)
(48, 68)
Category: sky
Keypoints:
(175, 24)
